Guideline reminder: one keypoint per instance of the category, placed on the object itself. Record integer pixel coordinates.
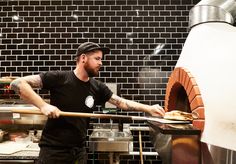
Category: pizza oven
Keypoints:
(12, 121)
(203, 80)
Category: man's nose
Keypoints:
(100, 62)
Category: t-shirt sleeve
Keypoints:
(49, 79)
(105, 92)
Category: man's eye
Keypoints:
(98, 59)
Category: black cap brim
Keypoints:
(90, 46)
(105, 50)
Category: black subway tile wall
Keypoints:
(145, 37)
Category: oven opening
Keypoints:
(180, 97)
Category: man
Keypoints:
(63, 138)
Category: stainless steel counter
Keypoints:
(176, 143)
(28, 154)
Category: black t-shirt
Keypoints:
(70, 94)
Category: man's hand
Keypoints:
(157, 110)
(50, 111)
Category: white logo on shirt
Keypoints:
(89, 101)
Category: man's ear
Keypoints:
(83, 57)
(82, 54)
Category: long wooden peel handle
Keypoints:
(68, 114)
(77, 114)
(34, 110)
(105, 116)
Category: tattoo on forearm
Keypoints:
(116, 100)
(34, 81)
(130, 107)
(120, 102)
(14, 86)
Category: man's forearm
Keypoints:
(128, 104)
(26, 92)
(154, 110)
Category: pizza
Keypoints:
(178, 115)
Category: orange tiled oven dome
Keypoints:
(182, 93)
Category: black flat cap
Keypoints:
(90, 46)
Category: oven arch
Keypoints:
(183, 93)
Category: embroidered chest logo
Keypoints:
(89, 101)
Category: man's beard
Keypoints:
(91, 72)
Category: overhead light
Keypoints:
(158, 48)
(75, 16)
(15, 17)
(137, 12)
(129, 34)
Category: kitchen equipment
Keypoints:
(140, 147)
(206, 65)
(176, 143)
(108, 139)
(19, 121)
(8, 79)
(36, 111)
(2, 134)
(10, 147)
